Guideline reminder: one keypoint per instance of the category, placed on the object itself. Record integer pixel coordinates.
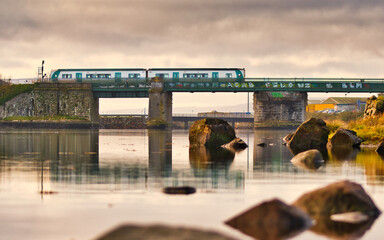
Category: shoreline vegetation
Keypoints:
(369, 129)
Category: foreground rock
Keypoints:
(334, 207)
(345, 138)
(236, 144)
(271, 220)
(157, 232)
(312, 134)
(210, 132)
(339, 197)
(311, 159)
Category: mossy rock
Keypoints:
(311, 134)
(211, 132)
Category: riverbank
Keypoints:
(40, 124)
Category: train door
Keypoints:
(118, 77)
(175, 76)
(79, 77)
(215, 76)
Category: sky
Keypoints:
(269, 38)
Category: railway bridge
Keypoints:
(276, 101)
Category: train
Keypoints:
(143, 75)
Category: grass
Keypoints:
(370, 130)
(48, 118)
(7, 92)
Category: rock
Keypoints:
(345, 138)
(350, 217)
(210, 132)
(339, 197)
(261, 145)
(288, 138)
(179, 190)
(312, 134)
(311, 159)
(271, 220)
(236, 144)
(158, 232)
(380, 149)
(374, 107)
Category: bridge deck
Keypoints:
(139, 89)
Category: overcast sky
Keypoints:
(269, 38)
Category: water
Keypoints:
(96, 180)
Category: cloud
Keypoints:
(267, 37)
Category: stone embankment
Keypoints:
(123, 122)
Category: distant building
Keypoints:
(346, 103)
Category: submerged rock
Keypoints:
(156, 232)
(311, 134)
(345, 138)
(179, 190)
(210, 132)
(339, 197)
(271, 220)
(311, 159)
(236, 144)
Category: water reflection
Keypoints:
(160, 152)
(341, 153)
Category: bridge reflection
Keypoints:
(148, 159)
(75, 157)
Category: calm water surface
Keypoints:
(98, 180)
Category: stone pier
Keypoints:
(279, 109)
(160, 105)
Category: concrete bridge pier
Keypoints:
(279, 109)
(160, 105)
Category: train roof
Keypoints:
(205, 69)
(101, 69)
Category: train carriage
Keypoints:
(99, 75)
(195, 74)
(132, 75)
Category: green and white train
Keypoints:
(144, 75)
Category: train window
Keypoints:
(195, 75)
(67, 76)
(133, 75)
(228, 75)
(163, 75)
(103, 75)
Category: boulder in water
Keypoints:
(339, 197)
(311, 159)
(271, 220)
(345, 138)
(210, 132)
(311, 134)
(236, 144)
